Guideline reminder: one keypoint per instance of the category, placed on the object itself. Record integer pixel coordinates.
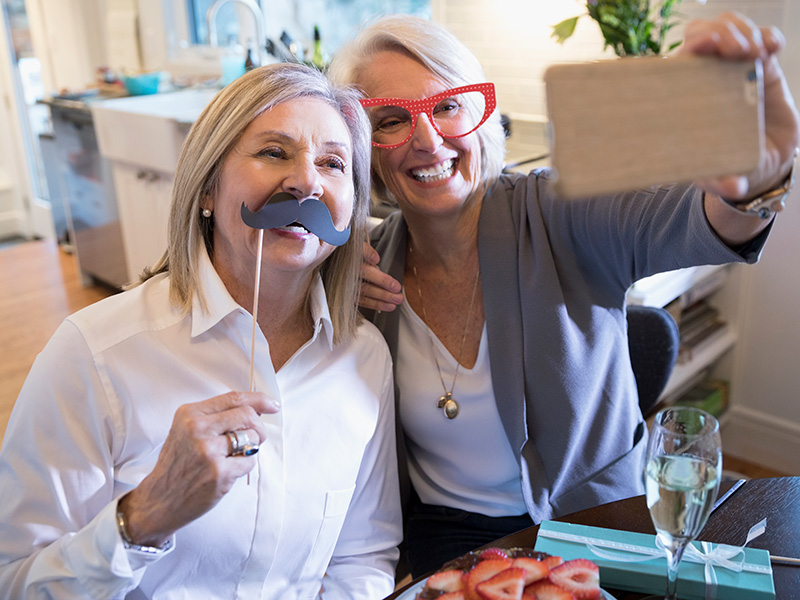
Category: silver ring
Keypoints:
(240, 444)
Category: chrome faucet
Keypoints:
(258, 18)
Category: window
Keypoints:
(338, 20)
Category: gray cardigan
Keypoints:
(555, 274)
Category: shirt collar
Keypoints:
(319, 311)
(219, 302)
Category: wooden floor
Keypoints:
(40, 285)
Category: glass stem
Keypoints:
(674, 555)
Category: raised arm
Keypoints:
(734, 37)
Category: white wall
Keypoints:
(69, 38)
(765, 420)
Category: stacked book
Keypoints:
(699, 324)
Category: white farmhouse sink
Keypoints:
(146, 130)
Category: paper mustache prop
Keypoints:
(283, 209)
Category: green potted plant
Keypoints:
(629, 27)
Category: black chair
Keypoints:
(653, 342)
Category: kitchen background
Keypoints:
(55, 47)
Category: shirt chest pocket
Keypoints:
(336, 504)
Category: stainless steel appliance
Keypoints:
(86, 183)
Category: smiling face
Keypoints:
(429, 174)
(301, 147)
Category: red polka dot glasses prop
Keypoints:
(453, 113)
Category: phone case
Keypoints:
(632, 123)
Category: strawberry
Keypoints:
(493, 553)
(484, 570)
(553, 561)
(459, 595)
(446, 581)
(534, 569)
(580, 577)
(506, 585)
(545, 590)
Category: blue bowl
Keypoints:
(140, 85)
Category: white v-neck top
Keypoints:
(466, 462)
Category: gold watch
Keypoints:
(770, 202)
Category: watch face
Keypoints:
(770, 202)
(775, 200)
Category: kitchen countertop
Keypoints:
(80, 101)
(148, 131)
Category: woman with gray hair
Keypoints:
(139, 462)
(515, 394)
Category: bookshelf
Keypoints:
(684, 374)
(684, 285)
(677, 291)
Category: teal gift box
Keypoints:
(632, 561)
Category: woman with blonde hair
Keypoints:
(139, 462)
(504, 307)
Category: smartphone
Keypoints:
(631, 123)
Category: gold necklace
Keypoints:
(446, 402)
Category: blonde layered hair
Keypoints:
(214, 135)
(442, 54)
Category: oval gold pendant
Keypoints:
(448, 405)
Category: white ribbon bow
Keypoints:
(727, 557)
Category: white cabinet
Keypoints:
(144, 197)
(148, 130)
(142, 137)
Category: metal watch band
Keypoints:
(129, 544)
(771, 202)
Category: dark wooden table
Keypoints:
(776, 499)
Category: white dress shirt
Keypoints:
(322, 508)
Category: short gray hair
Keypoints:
(214, 135)
(442, 54)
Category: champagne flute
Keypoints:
(683, 467)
